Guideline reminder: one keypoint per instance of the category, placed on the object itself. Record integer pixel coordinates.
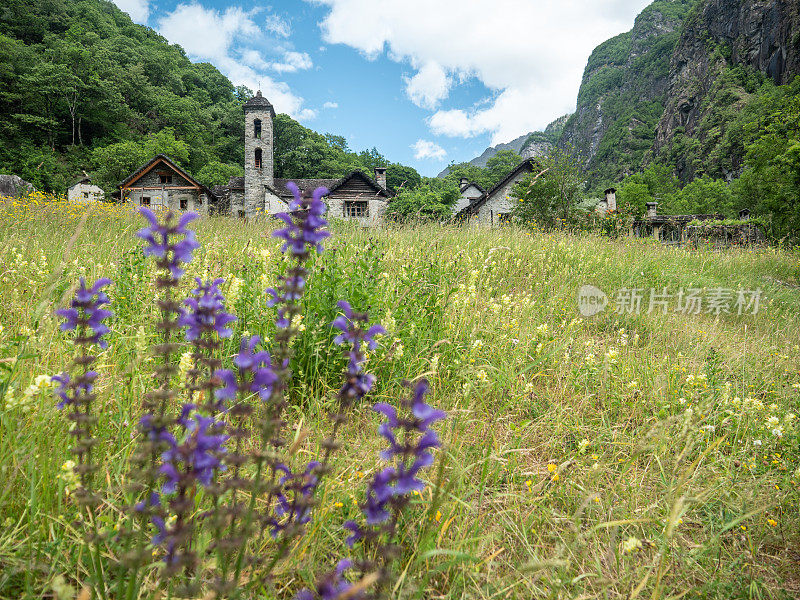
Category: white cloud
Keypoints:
(429, 86)
(222, 38)
(426, 149)
(292, 62)
(278, 25)
(138, 10)
(330, 105)
(530, 54)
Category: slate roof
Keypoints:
(170, 163)
(529, 165)
(258, 102)
(310, 185)
(470, 184)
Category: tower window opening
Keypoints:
(258, 158)
(257, 128)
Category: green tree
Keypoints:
(632, 198)
(705, 195)
(499, 165)
(550, 196)
(217, 173)
(115, 162)
(433, 200)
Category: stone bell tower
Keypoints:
(258, 160)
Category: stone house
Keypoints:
(356, 196)
(493, 208)
(160, 183)
(470, 192)
(85, 191)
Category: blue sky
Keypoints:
(424, 81)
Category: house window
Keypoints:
(257, 128)
(258, 158)
(145, 200)
(356, 208)
(241, 214)
(164, 178)
(184, 203)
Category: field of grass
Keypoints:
(619, 456)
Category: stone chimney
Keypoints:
(464, 183)
(380, 176)
(652, 209)
(611, 199)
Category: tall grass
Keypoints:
(618, 456)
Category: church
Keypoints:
(161, 183)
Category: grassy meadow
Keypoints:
(619, 456)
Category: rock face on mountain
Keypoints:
(623, 92)
(540, 143)
(760, 34)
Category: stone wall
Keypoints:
(498, 203)
(467, 196)
(376, 209)
(85, 192)
(255, 178)
(167, 198)
(237, 203)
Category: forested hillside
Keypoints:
(84, 88)
(623, 93)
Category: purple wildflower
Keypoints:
(85, 311)
(332, 586)
(161, 244)
(71, 391)
(390, 488)
(255, 372)
(304, 224)
(206, 311)
(300, 487)
(197, 457)
(352, 326)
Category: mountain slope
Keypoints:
(514, 145)
(729, 53)
(530, 145)
(623, 93)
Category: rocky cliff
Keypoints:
(759, 35)
(540, 143)
(623, 93)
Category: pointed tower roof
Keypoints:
(258, 102)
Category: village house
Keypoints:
(493, 208)
(84, 191)
(470, 192)
(160, 183)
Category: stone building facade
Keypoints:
(259, 162)
(85, 191)
(356, 197)
(470, 192)
(160, 183)
(494, 207)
